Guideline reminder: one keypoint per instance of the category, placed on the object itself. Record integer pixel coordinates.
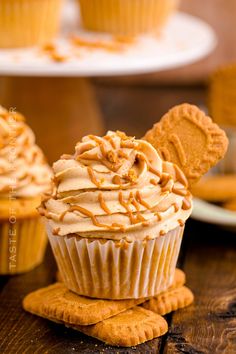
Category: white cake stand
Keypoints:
(40, 87)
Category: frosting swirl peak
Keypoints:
(23, 169)
(116, 187)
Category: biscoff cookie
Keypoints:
(170, 300)
(56, 301)
(188, 138)
(230, 205)
(179, 279)
(129, 328)
(221, 95)
(216, 188)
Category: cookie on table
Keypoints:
(170, 300)
(56, 301)
(188, 138)
(216, 188)
(129, 328)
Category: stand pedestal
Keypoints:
(59, 110)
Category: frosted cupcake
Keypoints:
(116, 218)
(28, 22)
(24, 176)
(126, 17)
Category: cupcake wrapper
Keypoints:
(22, 245)
(28, 22)
(125, 17)
(98, 268)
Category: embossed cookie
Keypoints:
(129, 328)
(221, 95)
(187, 137)
(216, 188)
(170, 300)
(56, 301)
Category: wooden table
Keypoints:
(208, 257)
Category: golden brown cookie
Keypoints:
(188, 138)
(56, 301)
(129, 328)
(230, 205)
(170, 300)
(221, 95)
(179, 279)
(216, 188)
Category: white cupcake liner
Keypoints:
(125, 17)
(100, 269)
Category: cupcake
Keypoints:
(126, 17)
(24, 176)
(28, 22)
(116, 217)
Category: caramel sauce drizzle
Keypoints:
(176, 207)
(181, 192)
(162, 233)
(159, 218)
(153, 181)
(141, 201)
(186, 205)
(103, 204)
(92, 177)
(56, 231)
(111, 141)
(181, 222)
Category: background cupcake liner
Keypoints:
(125, 17)
(98, 268)
(28, 22)
(22, 245)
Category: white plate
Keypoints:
(213, 214)
(184, 40)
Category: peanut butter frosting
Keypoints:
(23, 170)
(116, 187)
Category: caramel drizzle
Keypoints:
(181, 222)
(92, 177)
(186, 205)
(181, 192)
(56, 231)
(176, 207)
(111, 141)
(159, 217)
(141, 201)
(103, 204)
(153, 181)
(139, 217)
(162, 233)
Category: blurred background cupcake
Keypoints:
(24, 176)
(126, 17)
(28, 22)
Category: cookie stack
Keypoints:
(115, 221)
(115, 322)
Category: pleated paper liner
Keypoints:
(100, 269)
(126, 17)
(28, 22)
(22, 245)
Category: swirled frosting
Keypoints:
(116, 187)
(23, 169)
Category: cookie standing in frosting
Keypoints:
(21, 160)
(115, 187)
